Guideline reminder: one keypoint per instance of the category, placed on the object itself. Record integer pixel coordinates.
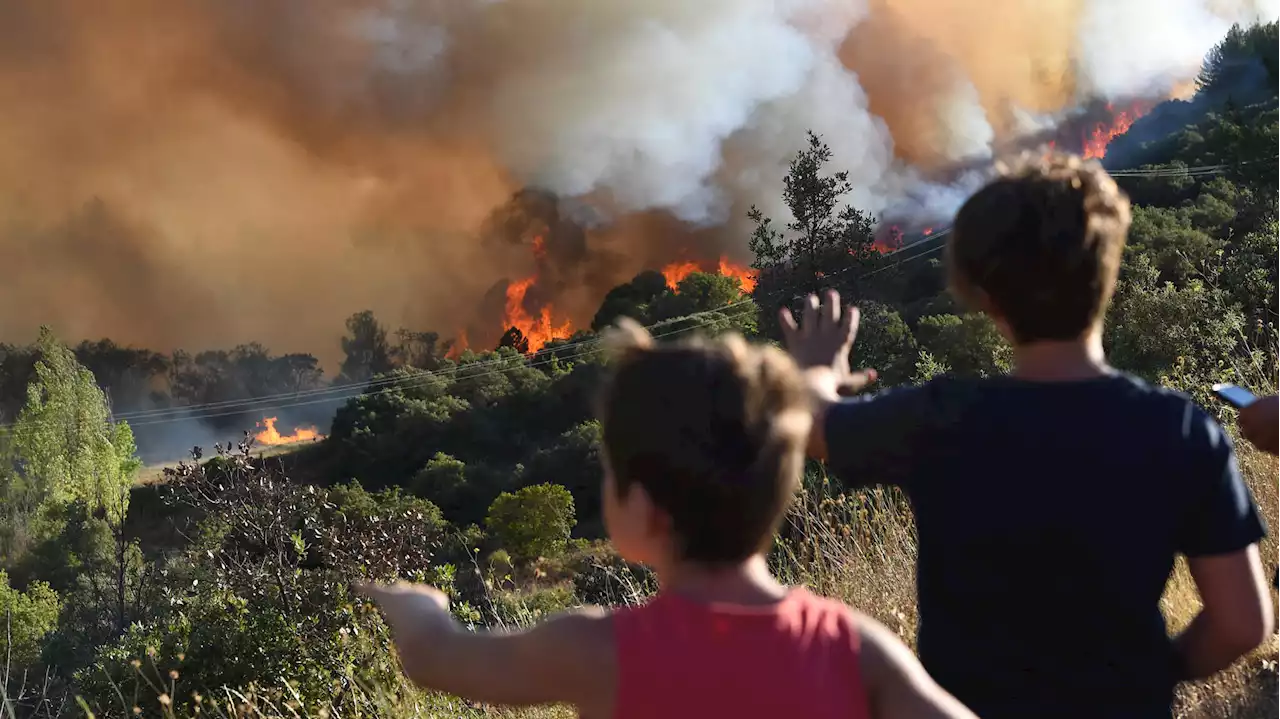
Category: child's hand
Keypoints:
(411, 609)
(823, 340)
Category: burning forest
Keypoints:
(229, 171)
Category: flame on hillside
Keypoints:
(745, 275)
(1097, 138)
(459, 346)
(537, 329)
(271, 436)
(677, 271)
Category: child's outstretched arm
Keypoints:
(897, 686)
(567, 659)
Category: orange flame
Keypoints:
(539, 247)
(459, 346)
(927, 231)
(271, 436)
(1096, 141)
(538, 331)
(887, 240)
(745, 275)
(677, 271)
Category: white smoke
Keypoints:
(363, 145)
(697, 107)
(1144, 48)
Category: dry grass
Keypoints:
(1247, 690)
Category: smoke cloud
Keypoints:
(211, 172)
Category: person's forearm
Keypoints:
(1205, 650)
(823, 393)
(432, 658)
(464, 663)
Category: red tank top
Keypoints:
(797, 658)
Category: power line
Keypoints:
(323, 395)
(583, 348)
(340, 393)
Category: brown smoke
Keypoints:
(208, 172)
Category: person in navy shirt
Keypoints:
(1050, 504)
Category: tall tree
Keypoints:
(825, 236)
(367, 351)
(65, 444)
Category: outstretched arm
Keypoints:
(820, 343)
(898, 687)
(566, 659)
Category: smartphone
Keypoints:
(1235, 396)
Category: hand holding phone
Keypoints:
(1237, 397)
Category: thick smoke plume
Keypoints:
(207, 172)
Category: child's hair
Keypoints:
(714, 431)
(1041, 246)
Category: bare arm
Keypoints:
(820, 345)
(1236, 617)
(568, 658)
(897, 685)
(823, 385)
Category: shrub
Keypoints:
(28, 617)
(534, 522)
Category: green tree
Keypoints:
(970, 345)
(442, 481)
(573, 462)
(533, 522)
(65, 444)
(28, 617)
(822, 241)
(632, 299)
(885, 343)
(716, 301)
(366, 348)
(1184, 336)
(928, 367)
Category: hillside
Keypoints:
(225, 588)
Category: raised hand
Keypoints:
(824, 339)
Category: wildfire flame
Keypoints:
(459, 346)
(271, 436)
(539, 330)
(677, 271)
(1096, 140)
(887, 240)
(745, 276)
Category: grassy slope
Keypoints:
(864, 553)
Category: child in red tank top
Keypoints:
(704, 446)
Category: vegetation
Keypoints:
(226, 588)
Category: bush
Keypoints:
(534, 522)
(28, 617)
(263, 593)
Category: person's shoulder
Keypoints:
(1171, 418)
(833, 615)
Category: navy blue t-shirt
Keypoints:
(1049, 515)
